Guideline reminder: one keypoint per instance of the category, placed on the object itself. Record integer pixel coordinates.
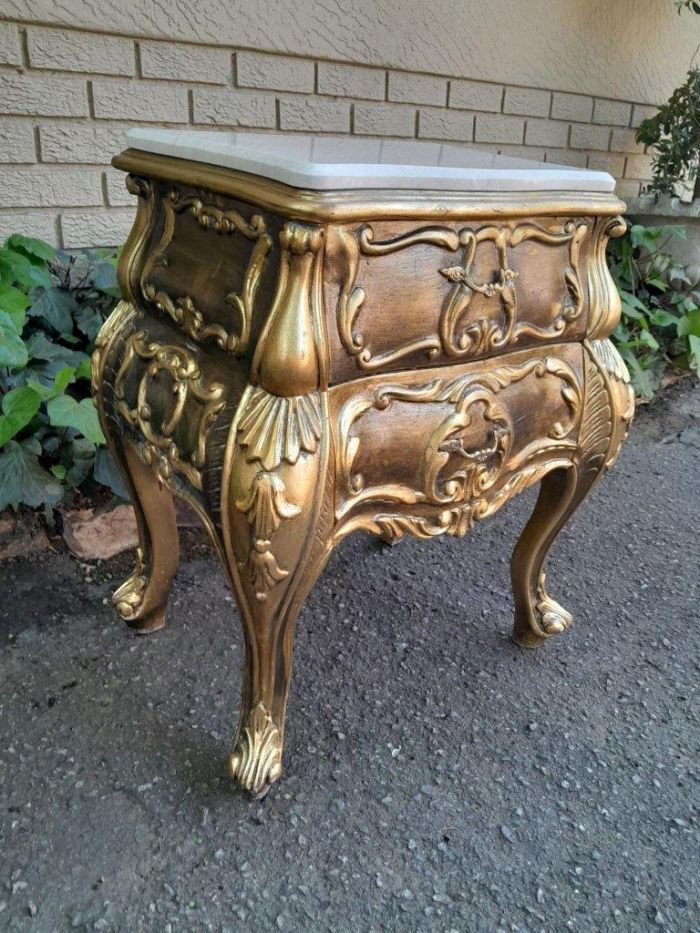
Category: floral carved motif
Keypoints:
(452, 338)
(182, 310)
(186, 384)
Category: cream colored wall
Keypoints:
(624, 49)
(557, 80)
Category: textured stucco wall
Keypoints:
(558, 80)
(626, 49)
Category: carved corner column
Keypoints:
(277, 498)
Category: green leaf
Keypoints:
(63, 378)
(41, 348)
(15, 268)
(59, 471)
(694, 345)
(23, 479)
(65, 412)
(18, 408)
(57, 307)
(105, 471)
(82, 457)
(690, 324)
(34, 249)
(89, 321)
(14, 302)
(84, 371)
(13, 352)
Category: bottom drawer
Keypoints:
(434, 450)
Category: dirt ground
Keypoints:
(437, 777)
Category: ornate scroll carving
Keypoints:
(182, 310)
(477, 337)
(470, 486)
(256, 761)
(160, 450)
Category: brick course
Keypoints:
(68, 96)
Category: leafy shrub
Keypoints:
(51, 307)
(660, 322)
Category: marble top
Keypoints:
(331, 163)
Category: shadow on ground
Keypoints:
(437, 777)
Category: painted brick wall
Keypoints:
(68, 96)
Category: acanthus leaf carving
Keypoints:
(256, 761)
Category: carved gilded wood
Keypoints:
(302, 365)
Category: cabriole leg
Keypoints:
(607, 413)
(141, 599)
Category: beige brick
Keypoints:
(638, 166)
(40, 224)
(43, 96)
(411, 88)
(55, 187)
(86, 143)
(607, 162)
(276, 72)
(546, 133)
(527, 101)
(523, 152)
(140, 100)
(234, 108)
(117, 194)
(626, 188)
(172, 61)
(586, 136)
(315, 113)
(566, 157)
(475, 95)
(9, 45)
(614, 112)
(571, 107)
(624, 141)
(80, 51)
(385, 119)
(495, 128)
(642, 112)
(351, 81)
(106, 227)
(436, 123)
(17, 141)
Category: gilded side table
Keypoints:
(324, 335)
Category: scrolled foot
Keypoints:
(129, 600)
(548, 618)
(256, 761)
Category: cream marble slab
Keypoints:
(331, 163)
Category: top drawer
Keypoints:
(404, 296)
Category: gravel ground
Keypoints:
(437, 777)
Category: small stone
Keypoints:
(532, 727)
(32, 908)
(507, 832)
(659, 919)
(219, 854)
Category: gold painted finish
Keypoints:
(302, 365)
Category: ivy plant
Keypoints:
(51, 307)
(660, 324)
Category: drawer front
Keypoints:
(400, 296)
(441, 448)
